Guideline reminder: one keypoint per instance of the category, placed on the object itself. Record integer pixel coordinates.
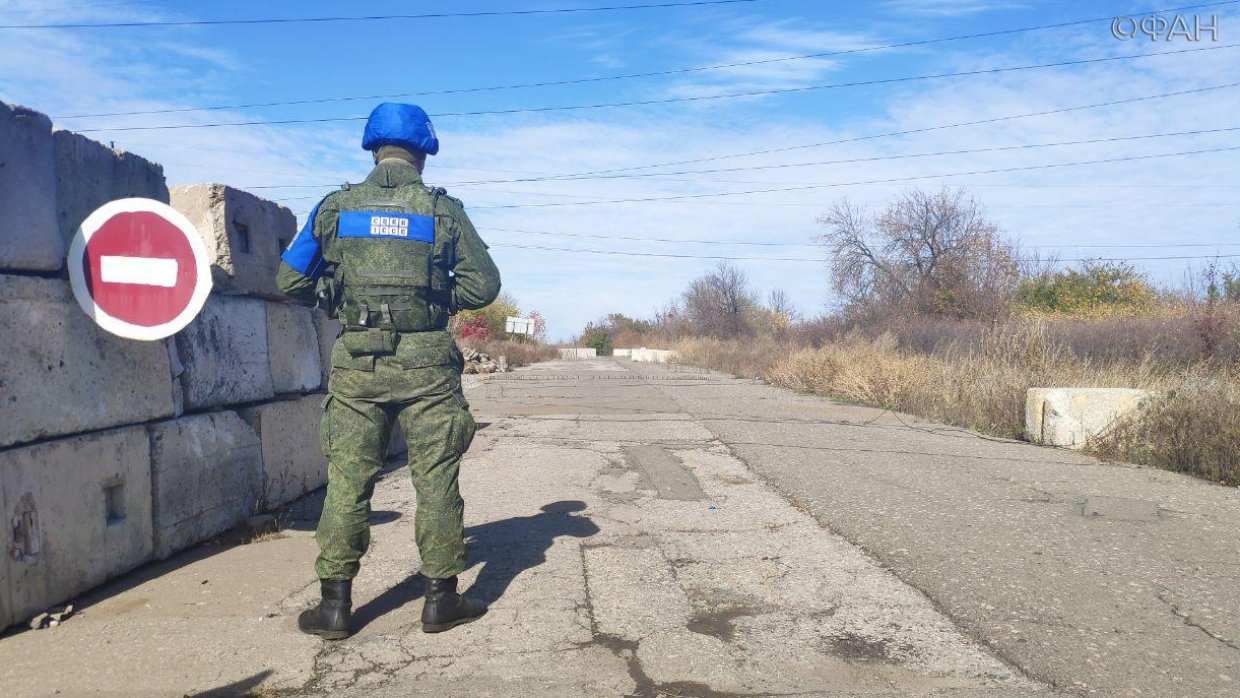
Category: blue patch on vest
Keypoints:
(386, 226)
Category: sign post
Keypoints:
(139, 269)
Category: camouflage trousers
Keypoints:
(420, 385)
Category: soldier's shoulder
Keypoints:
(445, 196)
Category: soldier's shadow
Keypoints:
(504, 548)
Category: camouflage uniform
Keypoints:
(394, 258)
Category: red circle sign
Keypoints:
(139, 269)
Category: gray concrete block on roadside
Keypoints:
(77, 512)
(244, 235)
(1071, 417)
(293, 460)
(328, 330)
(224, 353)
(29, 236)
(206, 475)
(293, 346)
(578, 353)
(89, 174)
(61, 374)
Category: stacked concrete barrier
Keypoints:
(114, 452)
(578, 353)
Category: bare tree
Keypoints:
(719, 303)
(925, 254)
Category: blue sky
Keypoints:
(1099, 210)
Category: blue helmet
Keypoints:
(404, 125)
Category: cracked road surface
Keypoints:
(665, 531)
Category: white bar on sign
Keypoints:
(147, 271)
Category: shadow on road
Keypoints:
(504, 548)
(243, 687)
(509, 547)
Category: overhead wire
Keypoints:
(675, 100)
(629, 76)
(371, 18)
(1026, 168)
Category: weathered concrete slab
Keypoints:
(294, 349)
(206, 474)
(244, 235)
(1070, 417)
(90, 174)
(60, 374)
(578, 353)
(293, 460)
(328, 330)
(29, 237)
(224, 353)
(77, 512)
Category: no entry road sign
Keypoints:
(138, 268)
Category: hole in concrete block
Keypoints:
(114, 502)
(243, 236)
(24, 544)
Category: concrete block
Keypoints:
(294, 350)
(206, 476)
(244, 235)
(77, 512)
(578, 353)
(1070, 417)
(622, 353)
(293, 460)
(60, 374)
(89, 174)
(652, 356)
(224, 353)
(328, 330)
(29, 237)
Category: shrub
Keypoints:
(1096, 287)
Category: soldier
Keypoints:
(392, 258)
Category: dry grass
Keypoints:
(518, 353)
(979, 380)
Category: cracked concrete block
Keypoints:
(293, 460)
(224, 353)
(29, 237)
(77, 512)
(89, 174)
(1070, 417)
(293, 343)
(206, 476)
(244, 235)
(328, 330)
(61, 374)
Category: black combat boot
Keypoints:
(445, 609)
(330, 619)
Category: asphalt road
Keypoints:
(665, 531)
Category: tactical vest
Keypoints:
(391, 259)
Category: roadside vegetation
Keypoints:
(484, 331)
(943, 317)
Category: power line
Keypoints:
(811, 245)
(678, 100)
(820, 261)
(372, 18)
(629, 76)
(682, 197)
(889, 134)
(877, 158)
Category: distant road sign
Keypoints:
(519, 325)
(138, 268)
